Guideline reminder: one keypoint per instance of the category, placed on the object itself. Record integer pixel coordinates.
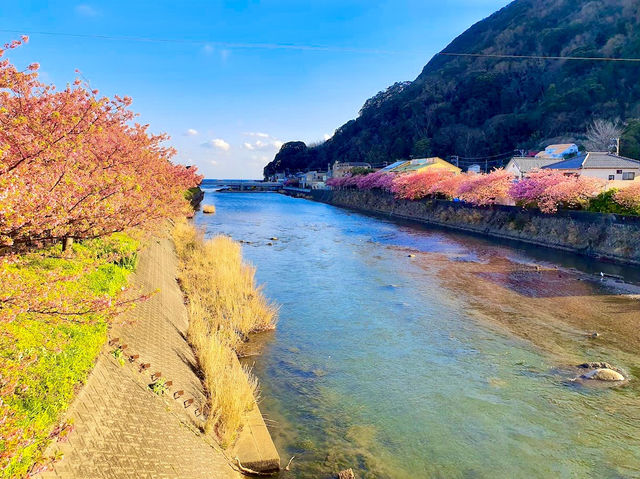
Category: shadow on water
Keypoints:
(454, 362)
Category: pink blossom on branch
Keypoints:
(629, 197)
(75, 165)
(486, 189)
(551, 189)
(381, 180)
(415, 186)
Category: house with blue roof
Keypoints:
(607, 166)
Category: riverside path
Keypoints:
(122, 429)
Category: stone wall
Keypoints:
(604, 236)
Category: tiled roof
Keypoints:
(609, 160)
(353, 163)
(570, 164)
(561, 147)
(556, 150)
(393, 165)
(525, 163)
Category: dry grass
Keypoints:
(225, 306)
(209, 209)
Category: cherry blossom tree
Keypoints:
(75, 165)
(629, 197)
(415, 186)
(381, 180)
(551, 189)
(486, 189)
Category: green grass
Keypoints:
(54, 356)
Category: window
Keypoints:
(628, 176)
(618, 172)
(612, 177)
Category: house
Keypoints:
(520, 166)
(420, 165)
(394, 165)
(475, 168)
(618, 170)
(277, 177)
(559, 152)
(340, 170)
(313, 179)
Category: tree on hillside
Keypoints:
(602, 135)
(630, 142)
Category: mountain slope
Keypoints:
(472, 107)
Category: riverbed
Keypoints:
(407, 352)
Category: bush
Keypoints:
(605, 203)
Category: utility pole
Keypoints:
(618, 146)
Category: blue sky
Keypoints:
(238, 78)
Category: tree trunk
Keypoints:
(66, 243)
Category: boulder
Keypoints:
(346, 474)
(599, 365)
(208, 209)
(603, 374)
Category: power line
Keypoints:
(538, 57)
(262, 46)
(508, 153)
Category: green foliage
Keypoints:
(422, 148)
(159, 387)
(360, 170)
(605, 203)
(118, 354)
(46, 356)
(478, 107)
(191, 193)
(630, 141)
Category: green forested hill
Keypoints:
(485, 106)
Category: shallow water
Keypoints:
(454, 363)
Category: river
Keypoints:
(405, 352)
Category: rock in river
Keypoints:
(346, 474)
(599, 365)
(603, 374)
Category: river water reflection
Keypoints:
(404, 352)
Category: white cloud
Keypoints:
(264, 142)
(191, 132)
(208, 49)
(326, 136)
(86, 10)
(218, 144)
(258, 134)
(214, 162)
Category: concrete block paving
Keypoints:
(121, 428)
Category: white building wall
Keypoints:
(605, 173)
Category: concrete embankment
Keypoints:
(122, 428)
(603, 236)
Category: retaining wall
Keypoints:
(604, 236)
